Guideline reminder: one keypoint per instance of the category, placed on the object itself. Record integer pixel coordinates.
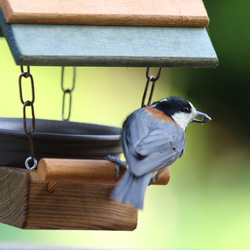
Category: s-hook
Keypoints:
(153, 79)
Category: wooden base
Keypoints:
(26, 203)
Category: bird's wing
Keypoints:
(136, 127)
(159, 139)
(162, 136)
(155, 162)
(163, 145)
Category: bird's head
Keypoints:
(180, 110)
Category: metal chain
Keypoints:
(30, 162)
(67, 91)
(153, 79)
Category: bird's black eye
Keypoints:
(187, 109)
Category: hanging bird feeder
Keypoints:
(67, 183)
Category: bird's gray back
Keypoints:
(150, 144)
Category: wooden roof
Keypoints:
(127, 33)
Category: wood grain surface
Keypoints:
(78, 206)
(26, 203)
(13, 197)
(185, 13)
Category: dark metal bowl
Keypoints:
(57, 139)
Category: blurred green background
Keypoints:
(206, 205)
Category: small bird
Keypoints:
(153, 138)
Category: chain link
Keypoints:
(30, 162)
(67, 91)
(153, 79)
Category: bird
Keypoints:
(153, 138)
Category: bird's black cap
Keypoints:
(172, 105)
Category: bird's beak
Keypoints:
(205, 117)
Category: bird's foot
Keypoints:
(117, 162)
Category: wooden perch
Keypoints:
(83, 171)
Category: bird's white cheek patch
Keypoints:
(182, 119)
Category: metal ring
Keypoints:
(73, 80)
(151, 92)
(145, 91)
(67, 92)
(155, 77)
(31, 84)
(34, 163)
(26, 73)
(31, 131)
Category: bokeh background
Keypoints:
(206, 205)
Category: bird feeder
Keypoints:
(72, 191)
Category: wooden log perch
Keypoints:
(83, 171)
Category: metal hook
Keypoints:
(157, 76)
(152, 79)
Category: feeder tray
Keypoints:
(57, 139)
(74, 193)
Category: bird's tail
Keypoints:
(131, 189)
